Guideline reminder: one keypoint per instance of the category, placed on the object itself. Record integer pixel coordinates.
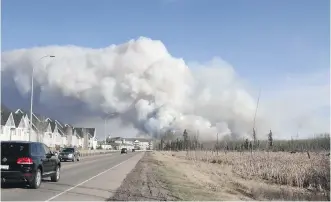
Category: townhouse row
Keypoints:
(15, 125)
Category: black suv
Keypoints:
(69, 153)
(28, 162)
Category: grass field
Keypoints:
(206, 176)
(284, 168)
(310, 172)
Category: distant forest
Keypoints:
(188, 142)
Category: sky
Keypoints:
(268, 42)
(260, 38)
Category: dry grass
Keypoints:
(281, 168)
(199, 180)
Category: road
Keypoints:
(94, 178)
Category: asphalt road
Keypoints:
(94, 178)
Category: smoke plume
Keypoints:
(149, 89)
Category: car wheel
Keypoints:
(56, 176)
(35, 183)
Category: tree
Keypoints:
(254, 138)
(185, 136)
(270, 140)
(246, 144)
(161, 144)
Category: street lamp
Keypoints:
(105, 119)
(31, 98)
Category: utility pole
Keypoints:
(105, 123)
(217, 145)
(31, 96)
(257, 105)
(105, 130)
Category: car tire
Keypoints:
(56, 176)
(36, 182)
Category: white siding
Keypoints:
(74, 141)
(64, 141)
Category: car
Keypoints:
(29, 162)
(69, 153)
(124, 151)
(133, 150)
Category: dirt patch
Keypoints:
(143, 183)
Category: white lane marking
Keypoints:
(89, 179)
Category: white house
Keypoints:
(130, 143)
(16, 126)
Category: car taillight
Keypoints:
(24, 160)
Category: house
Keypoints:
(143, 144)
(104, 145)
(15, 125)
(92, 138)
(8, 129)
(86, 137)
(23, 125)
(137, 143)
(69, 131)
(52, 132)
(78, 134)
(56, 133)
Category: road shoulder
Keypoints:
(144, 183)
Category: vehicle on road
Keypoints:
(133, 150)
(124, 151)
(69, 154)
(23, 161)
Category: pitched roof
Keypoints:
(60, 126)
(90, 131)
(40, 123)
(116, 138)
(21, 113)
(68, 127)
(80, 131)
(17, 118)
(5, 113)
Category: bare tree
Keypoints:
(270, 140)
(185, 136)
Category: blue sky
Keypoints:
(262, 39)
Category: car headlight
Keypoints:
(70, 155)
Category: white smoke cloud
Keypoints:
(153, 91)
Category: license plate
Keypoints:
(4, 167)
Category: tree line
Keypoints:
(187, 142)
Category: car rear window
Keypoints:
(68, 150)
(14, 149)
